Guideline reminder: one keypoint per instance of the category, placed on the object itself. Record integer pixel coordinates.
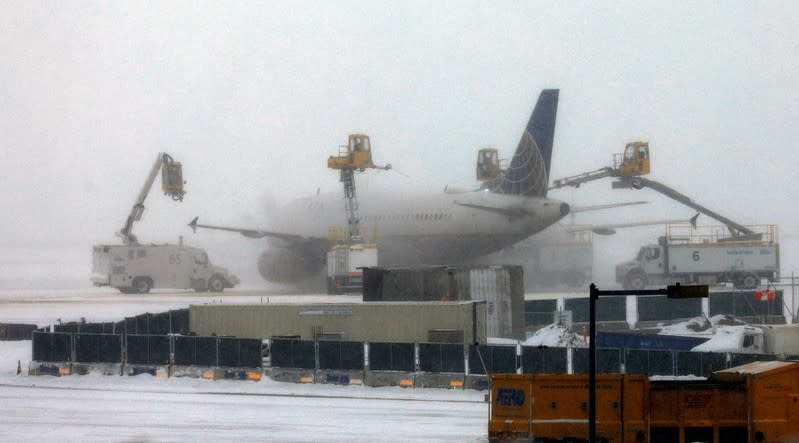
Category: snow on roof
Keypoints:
(758, 367)
(726, 339)
(699, 326)
(556, 335)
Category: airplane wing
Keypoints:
(249, 233)
(611, 229)
(575, 209)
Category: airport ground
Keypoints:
(145, 408)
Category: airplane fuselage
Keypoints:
(413, 229)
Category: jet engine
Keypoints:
(289, 265)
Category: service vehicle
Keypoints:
(348, 254)
(136, 268)
(703, 258)
(779, 340)
(139, 268)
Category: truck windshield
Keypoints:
(201, 259)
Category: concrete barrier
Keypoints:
(476, 382)
(154, 370)
(241, 374)
(49, 368)
(340, 377)
(389, 378)
(441, 381)
(293, 375)
(97, 368)
(188, 371)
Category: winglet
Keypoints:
(193, 224)
(692, 220)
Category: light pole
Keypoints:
(671, 291)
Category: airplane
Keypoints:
(423, 229)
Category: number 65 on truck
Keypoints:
(139, 268)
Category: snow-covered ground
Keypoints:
(145, 408)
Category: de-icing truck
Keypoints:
(701, 256)
(133, 267)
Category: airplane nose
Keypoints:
(564, 209)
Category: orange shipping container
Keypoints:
(757, 402)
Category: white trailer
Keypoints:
(780, 340)
(682, 259)
(343, 267)
(137, 268)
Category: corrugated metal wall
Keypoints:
(387, 322)
(502, 287)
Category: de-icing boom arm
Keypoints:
(171, 183)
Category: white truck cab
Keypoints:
(138, 268)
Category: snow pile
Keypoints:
(725, 339)
(556, 335)
(725, 332)
(700, 326)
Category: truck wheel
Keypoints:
(750, 281)
(215, 284)
(142, 285)
(635, 282)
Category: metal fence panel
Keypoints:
(289, 353)
(608, 361)
(158, 349)
(185, 350)
(649, 362)
(130, 325)
(497, 359)
(689, 363)
(636, 362)
(179, 321)
(205, 351)
(744, 304)
(110, 347)
(142, 324)
(539, 312)
(42, 343)
(661, 363)
(712, 361)
(228, 352)
(441, 357)
(158, 324)
(341, 355)
(87, 348)
(607, 309)
(250, 353)
(544, 360)
(137, 349)
(62, 347)
(661, 308)
(391, 357)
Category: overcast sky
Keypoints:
(253, 97)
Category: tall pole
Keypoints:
(592, 363)
(675, 291)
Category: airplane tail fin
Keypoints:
(528, 171)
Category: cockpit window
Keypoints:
(201, 259)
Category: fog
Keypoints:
(253, 97)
